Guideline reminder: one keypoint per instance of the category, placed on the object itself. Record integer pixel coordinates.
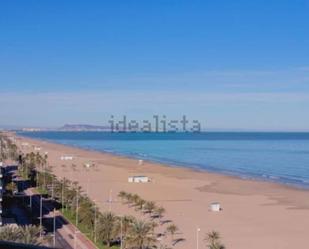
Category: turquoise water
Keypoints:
(282, 157)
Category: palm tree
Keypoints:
(123, 227)
(12, 150)
(122, 195)
(164, 247)
(86, 210)
(213, 239)
(135, 198)
(141, 235)
(106, 228)
(129, 198)
(31, 235)
(69, 196)
(3, 147)
(64, 189)
(22, 234)
(159, 211)
(57, 189)
(149, 207)
(172, 229)
(9, 233)
(140, 204)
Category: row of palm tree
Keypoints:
(29, 234)
(8, 149)
(212, 238)
(146, 207)
(151, 209)
(104, 227)
(126, 230)
(33, 166)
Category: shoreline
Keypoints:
(256, 214)
(196, 168)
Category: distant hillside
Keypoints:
(83, 127)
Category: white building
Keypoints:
(37, 148)
(66, 158)
(138, 179)
(215, 207)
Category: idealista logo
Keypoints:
(155, 124)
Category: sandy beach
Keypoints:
(255, 214)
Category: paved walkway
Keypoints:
(67, 235)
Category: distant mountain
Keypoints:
(83, 127)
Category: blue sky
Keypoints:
(230, 64)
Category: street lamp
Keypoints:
(76, 219)
(54, 215)
(110, 200)
(45, 162)
(54, 238)
(95, 222)
(30, 204)
(62, 194)
(197, 236)
(121, 233)
(62, 188)
(87, 165)
(41, 216)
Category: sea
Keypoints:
(270, 156)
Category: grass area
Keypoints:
(70, 216)
(42, 191)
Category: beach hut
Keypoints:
(138, 179)
(215, 207)
(140, 162)
(37, 148)
(66, 158)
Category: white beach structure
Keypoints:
(138, 179)
(140, 162)
(215, 207)
(66, 158)
(36, 148)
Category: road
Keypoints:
(67, 236)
